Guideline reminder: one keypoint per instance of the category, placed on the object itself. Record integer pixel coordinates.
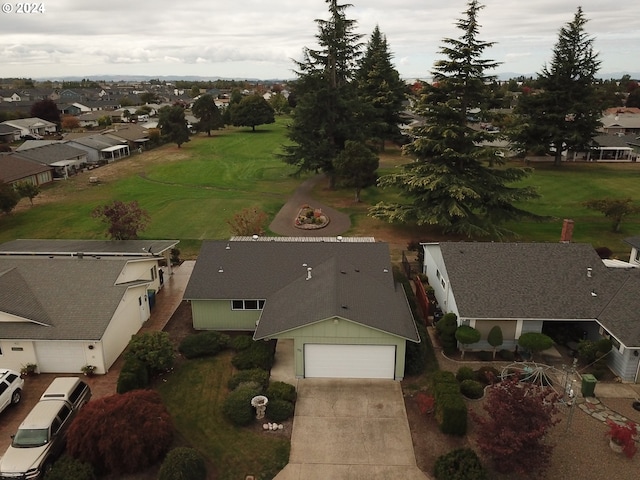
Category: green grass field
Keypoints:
(193, 191)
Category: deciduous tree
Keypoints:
(467, 335)
(356, 167)
(564, 113)
(46, 110)
(69, 122)
(9, 198)
(28, 190)
(328, 110)
(125, 220)
(535, 342)
(449, 184)
(615, 209)
(249, 221)
(122, 433)
(251, 111)
(173, 125)
(512, 434)
(209, 116)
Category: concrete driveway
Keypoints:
(350, 429)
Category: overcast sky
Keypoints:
(259, 39)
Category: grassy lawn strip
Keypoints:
(194, 395)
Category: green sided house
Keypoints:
(335, 297)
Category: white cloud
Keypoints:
(252, 38)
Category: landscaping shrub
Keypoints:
(465, 373)
(441, 376)
(241, 342)
(254, 375)
(451, 413)
(487, 375)
(507, 355)
(472, 389)
(485, 356)
(154, 349)
(495, 338)
(446, 328)
(67, 467)
(443, 389)
(279, 410)
(133, 376)
(203, 344)
(459, 464)
(258, 355)
(281, 391)
(122, 433)
(183, 463)
(237, 406)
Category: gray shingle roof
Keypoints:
(277, 271)
(540, 281)
(53, 152)
(14, 167)
(72, 299)
(88, 247)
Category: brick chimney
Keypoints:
(567, 231)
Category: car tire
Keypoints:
(16, 396)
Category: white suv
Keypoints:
(11, 384)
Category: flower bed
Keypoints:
(309, 218)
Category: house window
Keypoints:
(438, 274)
(247, 304)
(154, 272)
(442, 282)
(17, 349)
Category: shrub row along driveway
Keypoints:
(347, 429)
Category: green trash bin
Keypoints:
(588, 385)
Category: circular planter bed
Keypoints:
(309, 218)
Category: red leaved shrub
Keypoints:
(122, 433)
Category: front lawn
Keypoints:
(194, 395)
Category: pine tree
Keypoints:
(565, 113)
(380, 86)
(449, 184)
(328, 111)
(173, 125)
(207, 111)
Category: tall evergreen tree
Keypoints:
(173, 125)
(328, 111)
(380, 86)
(449, 183)
(207, 111)
(565, 113)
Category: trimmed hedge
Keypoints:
(459, 464)
(134, 375)
(254, 375)
(472, 389)
(258, 355)
(451, 412)
(241, 342)
(67, 467)
(154, 349)
(487, 375)
(465, 373)
(205, 344)
(183, 463)
(237, 406)
(281, 391)
(279, 410)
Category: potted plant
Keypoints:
(88, 370)
(622, 437)
(28, 369)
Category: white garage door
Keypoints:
(60, 357)
(349, 361)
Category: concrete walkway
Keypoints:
(283, 223)
(350, 429)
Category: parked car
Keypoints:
(42, 435)
(11, 384)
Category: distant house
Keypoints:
(335, 297)
(533, 287)
(64, 159)
(8, 133)
(621, 123)
(136, 136)
(78, 302)
(101, 148)
(32, 126)
(14, 168)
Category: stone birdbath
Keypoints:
(259, 402)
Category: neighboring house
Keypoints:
(64, 159)
(10, 96)
(14, 168)
(335, 297)
(135, 135)
(32, 126)
(91, 119)
(634, 257)
(529, 287)
(62, 307)
(621, 123)
(8, 133)
(613, 148)
(100, 148)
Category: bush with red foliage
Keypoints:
(520, 414)
(425, 403)
(122, 433)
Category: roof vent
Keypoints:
(227, 247)
(220, 269)
(339, 238)
(309, 273)
(255, 237)
(593, 293)
(589, 272)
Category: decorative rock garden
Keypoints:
(309, 218)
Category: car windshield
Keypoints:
(30, 437)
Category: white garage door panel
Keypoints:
(60, 357)
(349, 361)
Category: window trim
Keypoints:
(259, 305)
